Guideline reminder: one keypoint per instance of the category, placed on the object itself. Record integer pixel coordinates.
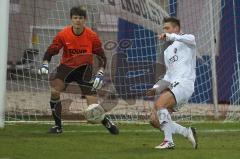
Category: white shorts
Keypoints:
(182, 91)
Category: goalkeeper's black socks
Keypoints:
(56, 108)
(112, 128)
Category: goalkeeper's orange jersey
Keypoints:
(77, 49)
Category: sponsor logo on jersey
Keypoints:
(77, 51)
(173, 59)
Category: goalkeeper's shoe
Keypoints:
(192, 137)
(112, 128)
(165, 145)
(55, 130)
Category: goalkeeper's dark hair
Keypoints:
(78, 10)
(172, 20)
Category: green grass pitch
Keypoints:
(85, 141)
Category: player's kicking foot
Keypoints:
(110, 126)
(192, 137)
(55, 130)
(165, 145)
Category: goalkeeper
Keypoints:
(79, 43)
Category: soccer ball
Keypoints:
(94, 113)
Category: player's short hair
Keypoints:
(78, 10)
(172, 20)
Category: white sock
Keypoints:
(177, 128)
(167, 129)
(166, 124)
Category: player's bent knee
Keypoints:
(94, 113)
(159, 106)
(155, 124)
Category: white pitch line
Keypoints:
(143, 131)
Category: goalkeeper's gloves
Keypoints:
(98, 82)
(43, 70)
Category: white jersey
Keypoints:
(180, 58)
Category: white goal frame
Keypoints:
(4, 12)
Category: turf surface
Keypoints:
(83, 141)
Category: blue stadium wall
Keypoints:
(235, 90)
(136, 59)
(228, 55)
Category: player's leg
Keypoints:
(157, 89)
(92, 101)
(108, 102)
(163, 108)
(182, 92)
(57, 86)
(161, 112)
(189, 133)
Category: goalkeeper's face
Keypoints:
(170, 28)
(78, 22)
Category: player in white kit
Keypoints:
(177, 85)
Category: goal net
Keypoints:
(128, 30)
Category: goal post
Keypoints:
(4, 12)
(213, 54)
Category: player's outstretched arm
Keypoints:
(185, 38)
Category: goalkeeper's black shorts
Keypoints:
(81, 75)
